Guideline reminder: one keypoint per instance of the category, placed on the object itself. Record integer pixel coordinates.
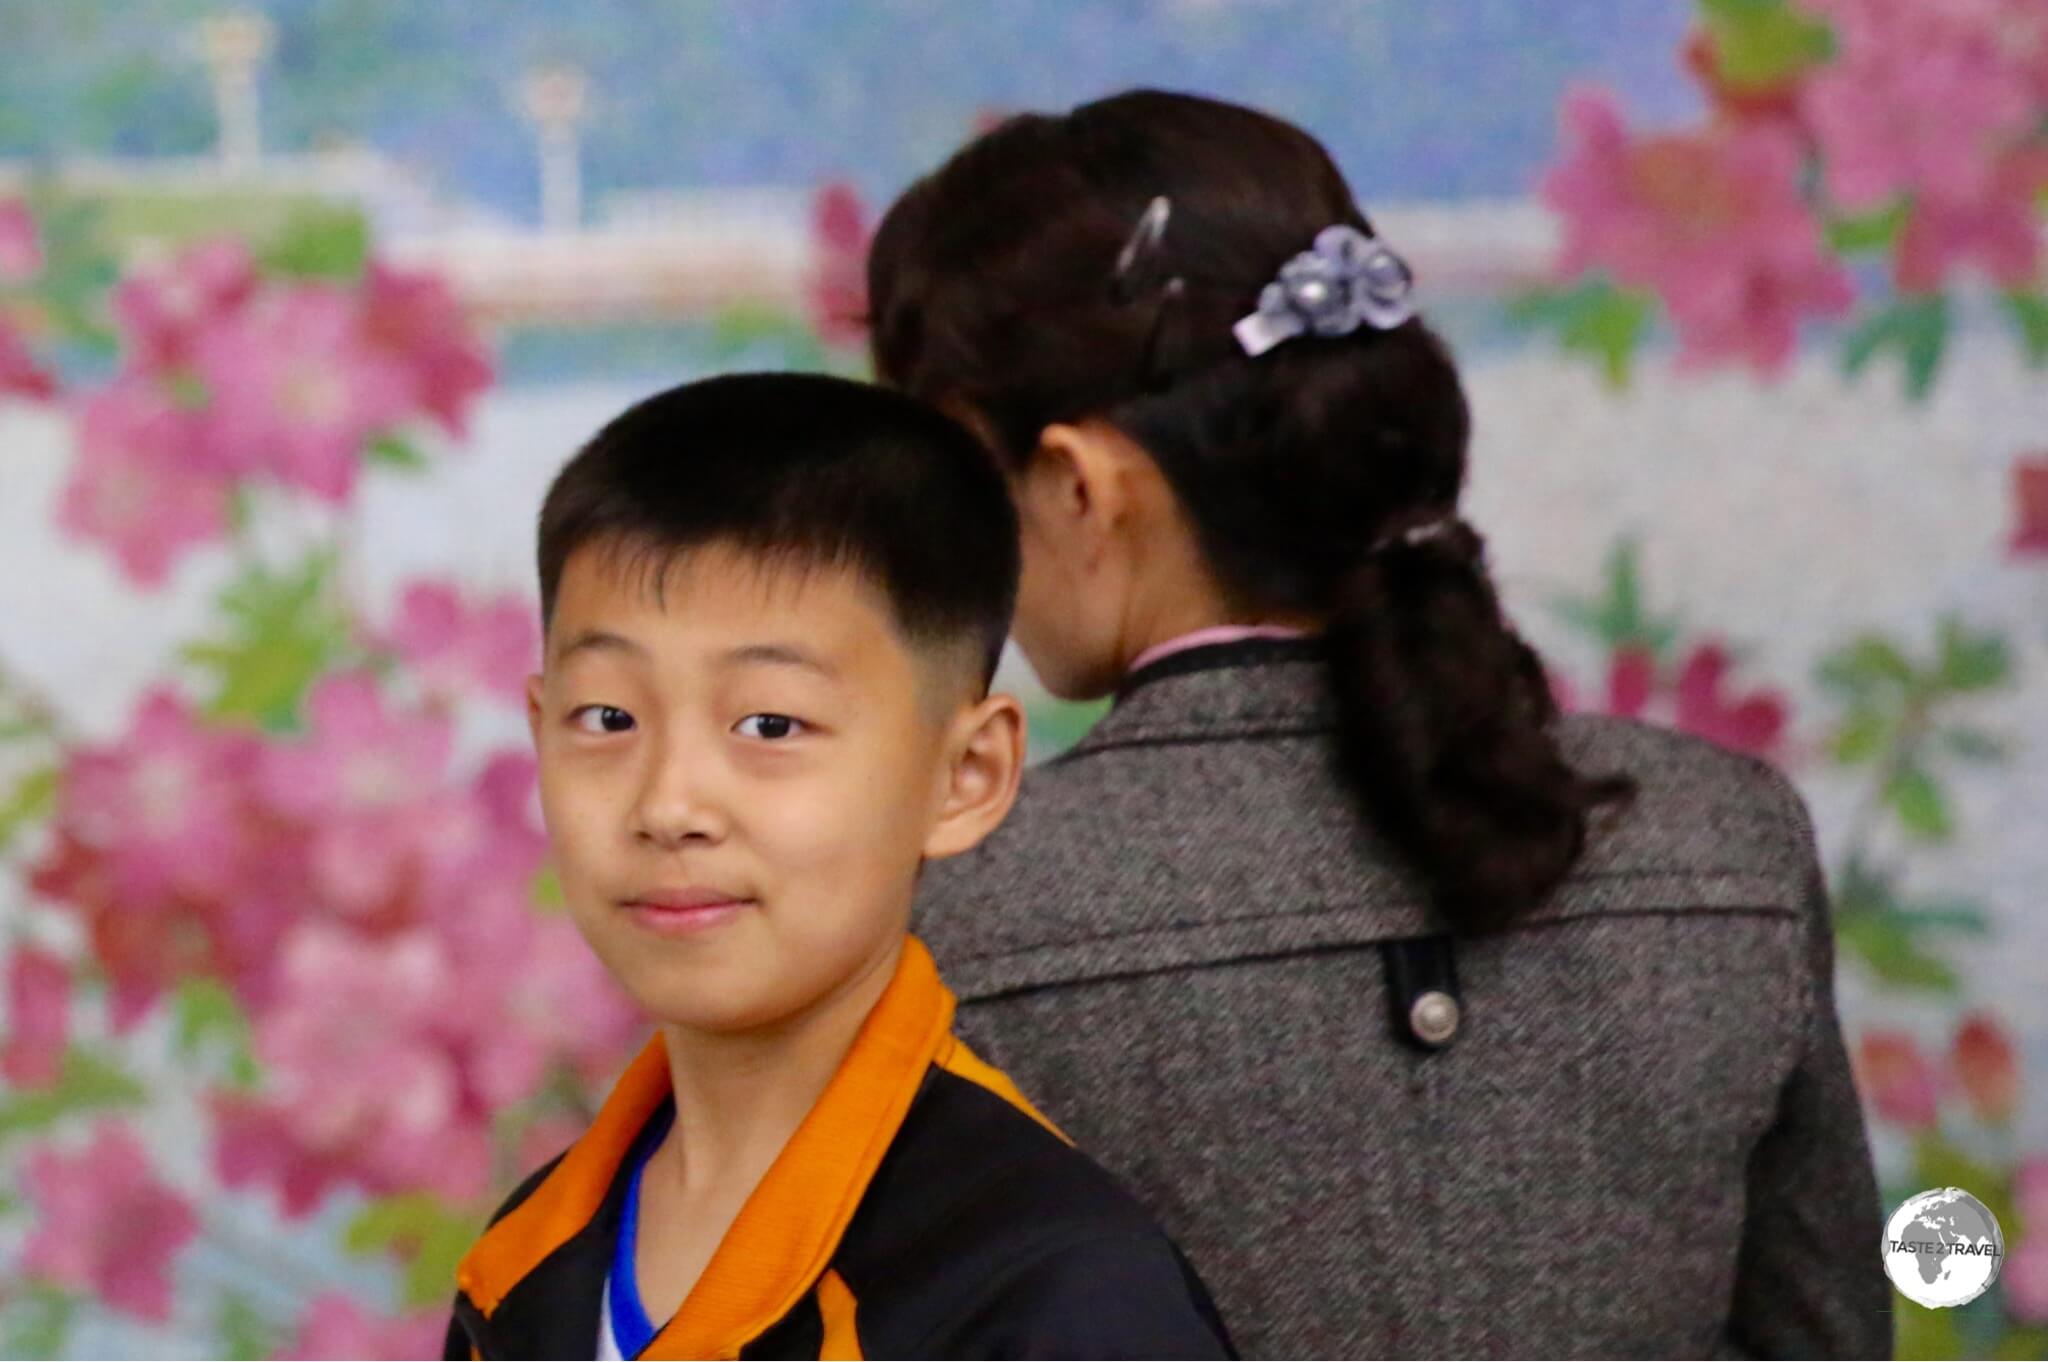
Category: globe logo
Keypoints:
(1943, 1248)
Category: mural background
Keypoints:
(302, 305)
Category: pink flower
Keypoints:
(160, 312)
(294, 389)
(455, 646)
(1631, 680)
(1712, 221)
(20, 376)
(2030, 506)
(253, 1145)
(38, 1017)
(1941, 104)
(105, 1224)
(1750, 723)
(549, 997)
(838, 287)
(1695, 701)
(1985, 1068)
(356, 781)
(172, 865)
(335, 1325)
(134, 486)
(415, 320)
(1997, 231)
(123, 940)
(356, 1066)
(1896, 1079)
(21, 254)
(1920, 99)
(482, 844)
(164, 803)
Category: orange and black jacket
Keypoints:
(923, 1208)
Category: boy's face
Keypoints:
(756, 735)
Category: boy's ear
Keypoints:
(533, 708)
(985, 762)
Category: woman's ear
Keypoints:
(985, 762)
(1080, 478)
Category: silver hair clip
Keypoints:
(1345, 279)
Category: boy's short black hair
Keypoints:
(818, 471)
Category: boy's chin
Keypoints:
(732, 1001)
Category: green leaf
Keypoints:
(1761, 43)
(1971, 661)
(86, 1082)
(1865, 734)
(39, 1321)
(206, 1016)
(394, 451)
(1866, 664)
(547, 891)
(2030, 314)
(1916, 327)
(1966, 919)
(1618, 619)
(1888, 950)
(1973, 744)
(244, 1333)
(1592, 318)
(283, 631)
(1869, 232)
(323, 241)
(421, 1228)
(34, 795)
(1920, 804)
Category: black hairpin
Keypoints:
(1137, 276)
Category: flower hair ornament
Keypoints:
(1345, 279)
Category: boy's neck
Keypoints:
(739, 1096)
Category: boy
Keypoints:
(772, 606)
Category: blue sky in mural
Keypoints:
(790, 92)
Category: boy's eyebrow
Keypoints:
(781, 654)
(597, 640)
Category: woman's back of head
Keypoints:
(1008, 285)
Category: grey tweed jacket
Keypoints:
(1641, 1140)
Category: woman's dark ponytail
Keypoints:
(1444, 717)
(989, 287)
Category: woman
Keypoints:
(1429, 1021)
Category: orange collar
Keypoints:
(788, 1229)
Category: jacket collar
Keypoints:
(1262, 686)
(789, 1228)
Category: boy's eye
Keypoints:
(609, 718)
(768, 725)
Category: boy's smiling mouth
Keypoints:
(686, 910)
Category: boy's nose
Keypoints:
(678, 803)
